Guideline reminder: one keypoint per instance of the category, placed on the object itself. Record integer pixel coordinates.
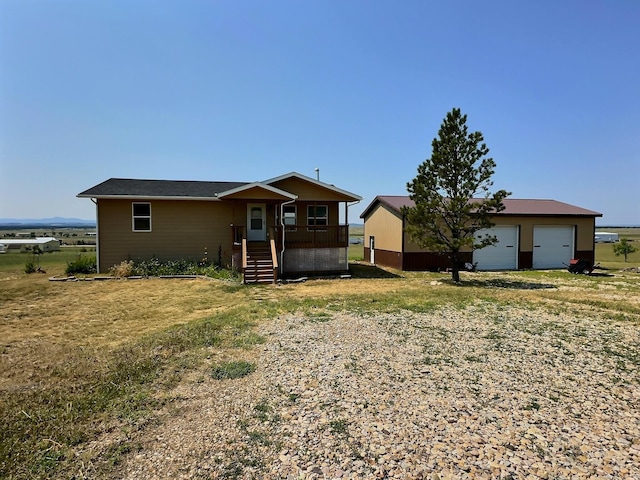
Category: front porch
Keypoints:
(290, 225)
(290, 249)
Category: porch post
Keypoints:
(284, 234)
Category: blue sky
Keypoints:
(248, 90)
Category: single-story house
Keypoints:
(45, 244)
(287, 225)
(538, 234)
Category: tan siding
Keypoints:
(180, 229)
(238, 212)
(386, 227)
(586, 233)
(410, 246)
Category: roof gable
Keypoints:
(306, 188)
(256, 190)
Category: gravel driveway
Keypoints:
(488, 391)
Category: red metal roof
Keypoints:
(513, 206)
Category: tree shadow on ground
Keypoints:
(366, 270)
(504, 283)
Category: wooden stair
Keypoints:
(259, 267)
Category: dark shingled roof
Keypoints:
(127, 187)
(513, 206)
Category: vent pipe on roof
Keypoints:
(317, 173)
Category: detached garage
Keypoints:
(531, 233)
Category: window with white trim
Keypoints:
(317, 215)
(141, 216)
(290, 217)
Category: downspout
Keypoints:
(283, 232)
(97, 237)
(346, 220)
(346, 212)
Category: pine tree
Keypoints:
(451, 193)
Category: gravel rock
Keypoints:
(489, 391)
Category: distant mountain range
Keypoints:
(46, 222)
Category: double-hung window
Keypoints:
(317, 215)
(141, 216)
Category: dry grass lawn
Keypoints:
(42, 321)
(54, 319)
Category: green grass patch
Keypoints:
(82, 265)
(339, 427)
(532, 404)
(14, 262)
(232, 370)
(355, 253)
(41, 426)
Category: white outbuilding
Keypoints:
(606, 237)
(46, 244)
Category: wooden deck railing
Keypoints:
(274, 248)
(305, 236)
(299, 236)
(238, 233)
(274, 252)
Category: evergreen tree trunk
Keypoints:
(455, 267)
(455, 273)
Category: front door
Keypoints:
(372, 250)
(256, 222)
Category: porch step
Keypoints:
(258, 274)
(259, 266)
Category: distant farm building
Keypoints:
(46, 244)
(606, 237)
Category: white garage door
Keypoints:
(501, 256)
(552, 246)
